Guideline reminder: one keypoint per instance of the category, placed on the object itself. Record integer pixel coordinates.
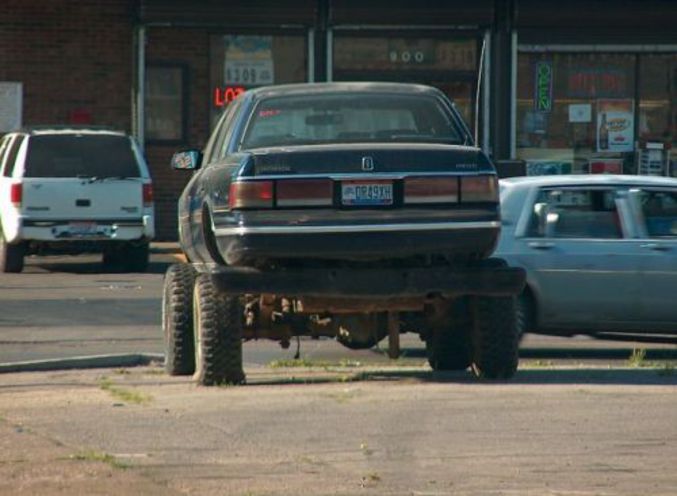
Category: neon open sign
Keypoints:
(543, 84)
(223, 96)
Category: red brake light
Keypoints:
(431, 190)
(251, 194)
(147, 194)
(479, 189)
(16, 194)
(305, 193)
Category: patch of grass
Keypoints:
(308, 363)
(122, 394)
(292, 363)
(370, 480)
(637, 358)
(98, 456)
(667, 370)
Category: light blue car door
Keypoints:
(583, 265)
(655, 212)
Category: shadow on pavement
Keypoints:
(557, 376)
(95, 267)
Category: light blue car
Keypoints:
(600, 253)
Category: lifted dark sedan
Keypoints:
(351, 210)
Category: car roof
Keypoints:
(326, 88)
(66, 129)
(587, 180)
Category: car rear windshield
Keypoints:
(351, 118)
(81, 155)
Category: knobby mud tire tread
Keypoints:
(219, 321)
(449, 348)
(495, 337)
(177, 319)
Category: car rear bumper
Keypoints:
(334, 234)
(244, 245)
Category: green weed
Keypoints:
(123, 394)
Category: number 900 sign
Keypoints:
(407, 56)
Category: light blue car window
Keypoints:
(575, 213)
(660, 213)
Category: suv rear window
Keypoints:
(81, 155)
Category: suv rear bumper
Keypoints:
(67, 230)
(484, 279)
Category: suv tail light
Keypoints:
(16, 191)
(305, 193)
(251, 194)
(147, 193)
(431, 190)
(479, 189)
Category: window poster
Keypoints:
(615, 125)
(248, 60)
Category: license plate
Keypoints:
(367, 193)
(83, 228)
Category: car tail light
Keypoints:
(431, 190)
(251, 194)
(16, 193)
(147, 194)
(304, 193)
(479, 189)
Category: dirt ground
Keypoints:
(341, 430)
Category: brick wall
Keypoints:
(189, 47)
(73, 57)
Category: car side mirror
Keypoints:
(187, 160)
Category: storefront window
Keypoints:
(165, 104)
(450, 65)
(242, 62)
(594, 112)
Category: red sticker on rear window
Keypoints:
(269, 113)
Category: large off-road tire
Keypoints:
(177, 319)
(218, 321)
(11, 256)
(495, 337)
(448, 347)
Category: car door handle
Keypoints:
(655, 246)
(541, 245)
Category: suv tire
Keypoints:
(177, 319)
(218, 335)
(495, 337)
(11, 256)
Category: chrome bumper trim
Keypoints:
(369, 228)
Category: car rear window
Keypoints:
(350, 118)
(81, 155)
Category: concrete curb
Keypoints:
(84, 362)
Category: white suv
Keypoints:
(74, 190)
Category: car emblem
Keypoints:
(367, 164)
